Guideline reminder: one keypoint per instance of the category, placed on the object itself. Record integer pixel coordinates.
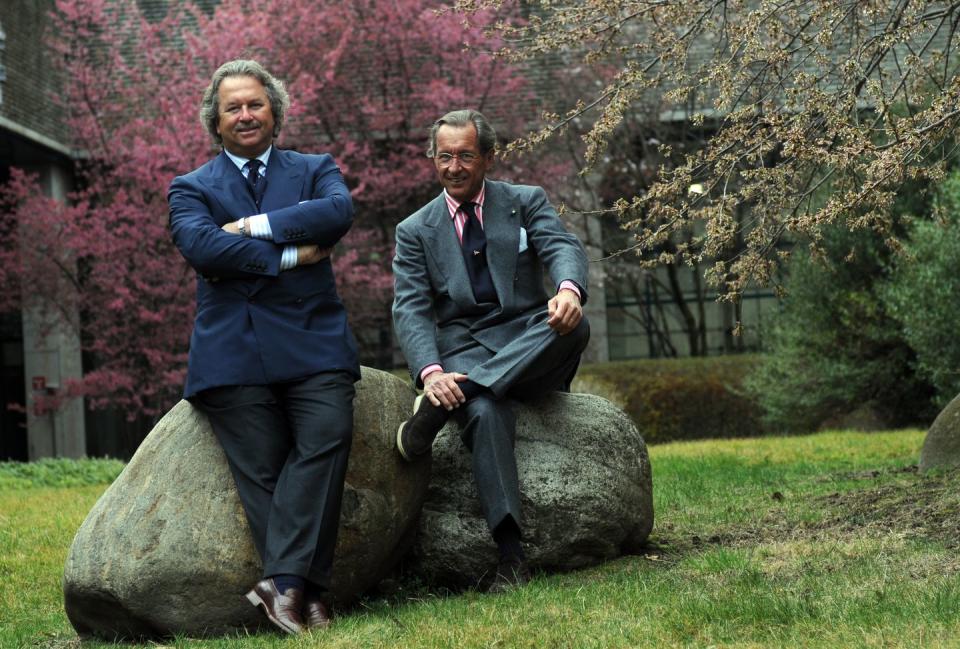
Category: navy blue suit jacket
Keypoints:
(256, 325)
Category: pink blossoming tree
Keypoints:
(366, 79)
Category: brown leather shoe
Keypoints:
(415, 436)
(511, 573)
(283, 610)
(316, 613)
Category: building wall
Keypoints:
(33, 137)
(30, 78)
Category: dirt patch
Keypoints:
(923, 505)
(899, 501)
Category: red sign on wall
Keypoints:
(39, 382)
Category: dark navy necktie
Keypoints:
(474, 244)
(257, 182)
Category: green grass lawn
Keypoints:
(828, 540)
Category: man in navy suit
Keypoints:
(272, 360)
(475, 323)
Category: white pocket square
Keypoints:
(523, 240)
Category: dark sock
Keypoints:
(285, 582)
(507, 537)
(434, 417)
(313, 589)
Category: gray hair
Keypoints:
(276, 93)
(486, 136)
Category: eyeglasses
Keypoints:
(466, 158)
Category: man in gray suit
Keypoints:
(475, 322)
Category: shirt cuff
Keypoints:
(260, 227)
(570, 285)
(430, 369)
(288, 259)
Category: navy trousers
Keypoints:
(287, 445)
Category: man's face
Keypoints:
(246, 119)
(462, 181)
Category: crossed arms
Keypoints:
(206, 234)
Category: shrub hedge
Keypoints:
(59, 472)
(679, 399)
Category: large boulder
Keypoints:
(585, 485)
(941, 448)
(167, 550)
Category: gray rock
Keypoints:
(586, 489)
(941, 447)
(166, 550)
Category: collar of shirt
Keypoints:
(453, 205)
(240, 162)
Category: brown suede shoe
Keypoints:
(511, 573)
(415, 436)
(316, 613)
(283, 610)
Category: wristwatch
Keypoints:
(242, 226)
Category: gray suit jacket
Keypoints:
(435, 315)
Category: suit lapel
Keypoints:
(284, 179)
(230, 188)
(501, 227)
(440, 238)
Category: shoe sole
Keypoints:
(403, 453)
(258, 602)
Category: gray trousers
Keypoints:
(538, 362)
(287, 445)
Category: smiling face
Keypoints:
(245, 118)
(461, 181)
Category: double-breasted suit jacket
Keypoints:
(436, 316)
(256, 325)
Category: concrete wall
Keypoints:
(51, 356)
